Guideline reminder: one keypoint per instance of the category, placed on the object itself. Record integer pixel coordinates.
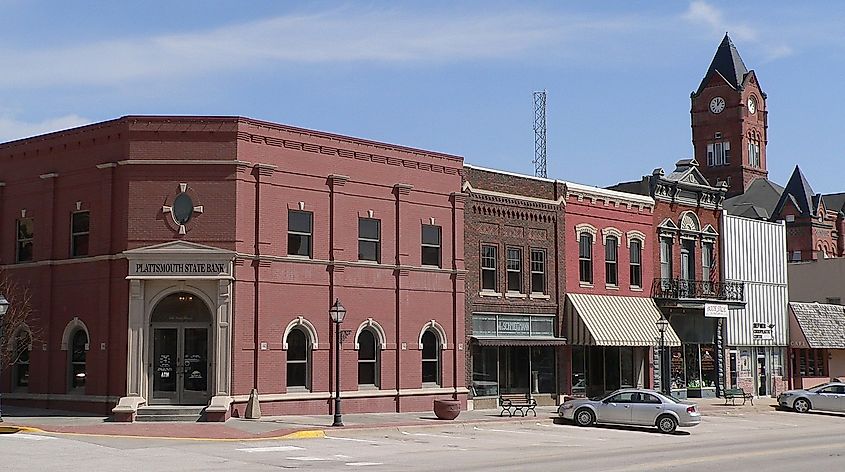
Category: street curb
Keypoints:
(306, 434)
(12, 429)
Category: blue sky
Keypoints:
(445, 76)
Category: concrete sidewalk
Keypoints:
(305, 426)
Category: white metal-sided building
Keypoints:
(754, 253)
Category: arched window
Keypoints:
(20, 357)
(430, 358)
(78, 354)
(299, 359)
(368, 359)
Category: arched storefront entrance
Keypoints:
(180, 327)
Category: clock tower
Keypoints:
(729, 122)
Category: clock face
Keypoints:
(752, 104)
(717, 105)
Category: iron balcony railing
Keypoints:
(698, 289)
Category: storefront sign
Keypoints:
(514, 326)
(762, 332)
(508, 325)
(713, 310)
(178, 268)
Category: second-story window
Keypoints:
(488, 268)
(300, 228)
(753, 152)
(707, 263)
(369, 239)
(431, 245)
(665, 258)
(611, 275)
(538, 271)
(514, 269)
(79, 232)
(718, 154)
(636, 264)
(25, 235)
(585, 258)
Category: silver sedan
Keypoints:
(632, 406)
(827, 397)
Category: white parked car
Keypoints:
(827, 397)
(632, 406)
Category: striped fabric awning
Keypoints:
(605, 320)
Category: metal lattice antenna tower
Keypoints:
(540, 134)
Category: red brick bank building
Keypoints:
(187, 260)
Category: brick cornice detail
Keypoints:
(363, 156)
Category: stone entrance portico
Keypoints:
(156, 272)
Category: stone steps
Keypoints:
(169, 413)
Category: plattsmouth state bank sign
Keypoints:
(170, 269)
(179, 269)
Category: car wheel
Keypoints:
(802, 405)
(667, 424)
(584, 417)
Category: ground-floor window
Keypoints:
(693, 366)
(20, 370)
(810, 362)
(600, 369)
(513, 369)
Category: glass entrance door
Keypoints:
(761, 374)
(180, 365)
(165, 365)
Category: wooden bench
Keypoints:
(733, 393)
(517, 402)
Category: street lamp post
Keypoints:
(4, 307)
(662, 324)
(337, 313)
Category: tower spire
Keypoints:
(727, 63)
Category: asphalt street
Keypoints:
(771, 441)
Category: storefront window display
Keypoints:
(600, 369)
(694, 368)
(516, 369)
(485, 370)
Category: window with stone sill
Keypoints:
(79, 233)
(431, 245)
(611, 275)
(585, 258)
(538, 271)
(24, 235)
(298, 362)
(489, 273)
(78, 355)
(300, 233)
(430, 358)
(514, 268)
(369, 239)
(636, 272)
(368, 359)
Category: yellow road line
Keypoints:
(305, 434)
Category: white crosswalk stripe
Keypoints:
(270, 449)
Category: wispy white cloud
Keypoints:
(335, 36)
(11, 128)
(700, 12)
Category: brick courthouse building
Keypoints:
(188, 260)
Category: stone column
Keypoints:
(137, 381)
